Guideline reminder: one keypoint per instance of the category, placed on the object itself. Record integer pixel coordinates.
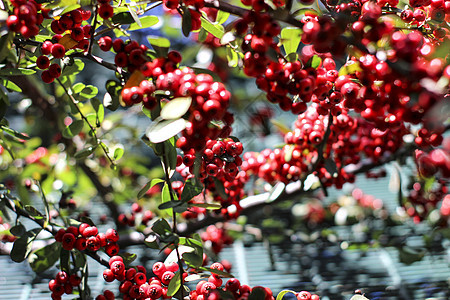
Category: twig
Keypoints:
(92, 31)
(97, 140)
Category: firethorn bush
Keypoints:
(138, 107)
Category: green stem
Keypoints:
(87, 122)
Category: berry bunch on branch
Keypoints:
(121, 106)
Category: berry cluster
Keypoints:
(129, 54)
(133, 280)
(422, 199)
(87, 237)
(107, 295)
(428, 164)
(216, 238)
(63, 284)
(193, 7)
(137, 213)
(219, 158)
(26, 18)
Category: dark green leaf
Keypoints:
(22, 246)
(192, 187)
(218, 272)
(85, 152)
(220, 188)
(186, 22)
(152, 241)
(161, 227)
(99, 110)
(73, 129)
(169, 204)
(64, 260)
(257, 294)
(42, 259)
(128, 258)
(408, 255)
(174, 285)
(14, 133)
(18, 230)
(122, 18)
(33, 212)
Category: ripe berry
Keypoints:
(105, 11)
(58, 50)
(42, 62)
(47, 77)
(105, 43)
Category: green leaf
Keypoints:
(85, 152)
(163, 130)
(220, 188)
(206, 205)
(169, 204)
(64, 260)
(78, 87)
(148, 186)
(18, 230)
(33, 212)
(89, 92)
(11, 86)
(161, 227)
(280, 126)
(128, 258)
(186, 22)
(192, 187)
(146, 22)
(176, 108)
(222, 17)
(215, 29)
(42, 259)
(99, 110)
(152, 241)
(232, 57)
(217, 272)
(316, 61)
(284, 292)
(408, 255)
(74, 68)
(118, 153)
(257, 294)
(122, 18)
(22, 246)
(14, 133)
(158, 41)
(290, 39)
(351, 67)
(174, 285)
(16, 72)
(73, 129)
